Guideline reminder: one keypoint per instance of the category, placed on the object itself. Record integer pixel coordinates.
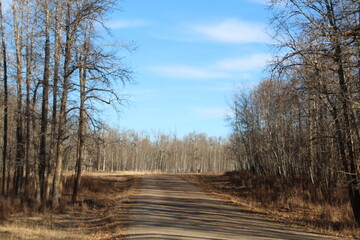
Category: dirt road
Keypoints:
(167, 207)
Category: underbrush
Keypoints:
(95, 191)
(297, 201)
(99, 213)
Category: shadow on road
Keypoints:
(169, 208)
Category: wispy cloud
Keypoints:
(246, 63)
(240, 67)
(188, 72)
(234, 31)
(128, 23)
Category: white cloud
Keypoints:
(234, 31)
(129, 23)
(188, 72)
(248, 63)
(241, 68)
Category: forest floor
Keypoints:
(168, 207)
(100, 213)
(297, 203)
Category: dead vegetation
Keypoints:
(298, 202)
(99, 213)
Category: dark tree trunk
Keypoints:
(82, 77)
(43, 157)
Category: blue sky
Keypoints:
(191, 56)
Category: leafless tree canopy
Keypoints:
(55, 75)
(114, 150)
(304, 120)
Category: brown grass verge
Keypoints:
(100, 213)
(298, 202)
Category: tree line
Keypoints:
(112, 149)
(55, 70)
(304, 119)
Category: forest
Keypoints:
(55, 72)
(302, 121)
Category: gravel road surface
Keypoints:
(167, 207)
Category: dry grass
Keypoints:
(117, 173)
(297, 202)
(99, 214)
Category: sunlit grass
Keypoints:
(293, 203)
(100, 212)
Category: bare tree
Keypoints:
(19, 114)
(319, 35)
(53, 148)
(5, 79)
(46, 58)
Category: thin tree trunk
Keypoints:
(19, 119)
(36, 147)
(63, 106)
(5, 79)
(82, 76)
(43, 157)
(58, 167)
(29, 60)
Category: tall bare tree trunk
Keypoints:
(19, 116)
(36, 148)
(28, 110)
(5, 79)
(349, 162)
(56, 194)
(80, 150)
(82, 116)
(43, 157)
(63, 107)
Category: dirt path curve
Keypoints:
(167, 207)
